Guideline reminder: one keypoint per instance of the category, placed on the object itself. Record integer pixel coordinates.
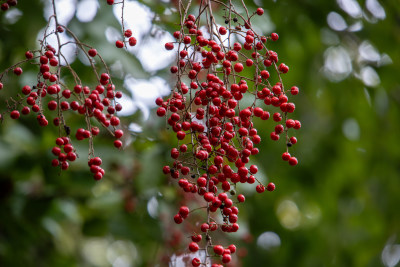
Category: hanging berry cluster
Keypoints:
(5, 5)
(215, 131)
(54, 93)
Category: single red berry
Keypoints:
(169, 46)
(204, 227)
(196, 262)
(92, 52)
(114, 121)
(293, 161)
(110, 2)
(260, 188)
(226, 258)
(285, 156)
(184, 211)
(132, 41)
(5, 6)
(128, 33)
(271, 187)
(25, 110)
(28, 54)
(238, 67)
(193, 247)
(260, 11)
(178, 219)
(118, 143)
(119, 44)
(294, 90)
(274, 36)
(253, 169)
(241, 198)
(17, 71)
(222, 30)
(14, 114)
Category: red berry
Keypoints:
(222, 30)
(14, 114)
(28, 54)
(274, 36)
(169, 46)
(118, 143)
(119, 44)
(285, 156)
(196, 262)
(293, 161)
(92, 52)
(241, 198)
(226, 258)
(17, 71)
(128, 33)
(294, 90)
(218, 249)
(271, 187)
(114, 121)
(238, 67)
(260, 188)
(178, 219)
(184, 211)
(132, 41)
(204, 227)
(193, 247)
(260, 11)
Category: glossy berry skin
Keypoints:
(260, 188)
(118, 143)
(218, 249)
(17, 71)
(196, 262)
(293, 161)
(238, 67)
(274, 36)
(119, 44)
(92, 52)
(271, 187)
(285, 156)
(193, 247)
(169, 46)
(260, 11)
(14, 114)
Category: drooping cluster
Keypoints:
(54, 93)
(215, 73)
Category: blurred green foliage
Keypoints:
(338, 207)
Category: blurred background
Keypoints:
(338, 207)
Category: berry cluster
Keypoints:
(127, 33)
(5, 5)
(54, 90)
(215, 131)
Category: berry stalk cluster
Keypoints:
(217, 69)
(59, 90)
